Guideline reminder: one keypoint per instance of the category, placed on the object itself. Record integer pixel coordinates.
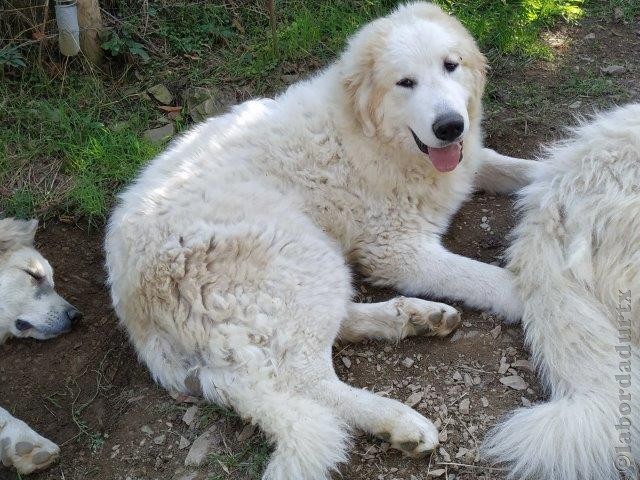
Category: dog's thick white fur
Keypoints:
(227, 258)
(576, 257)
(29, 307)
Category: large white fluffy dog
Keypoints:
(29, 307)
(576, 256)
(227, 257)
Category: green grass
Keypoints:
(248, 462)
(57, 150)
(60, 150)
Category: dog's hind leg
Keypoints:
(404, 428)
(398, 318)
(22, 448)
(310, 440)
(502, 174)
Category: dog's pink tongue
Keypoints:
(447, 158)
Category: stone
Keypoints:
(160, 134)
(407, 362)
(613, 70)
(159, 440)
(202, 447)
(161, 94)
(514, 381)
(184, 443)
(346, 361)
(146, 429)
(414, 399)
(464, 406)
(203, 103)
(190, 415)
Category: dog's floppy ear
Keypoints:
(357, 66)
(15, 233)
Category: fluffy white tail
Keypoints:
(309, 440)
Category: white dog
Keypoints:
(576, 256)
(29, 307)
(227, 257)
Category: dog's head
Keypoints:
(29, 305)
(415, 80)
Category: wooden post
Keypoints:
(90, 22)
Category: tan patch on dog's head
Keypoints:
(358, 62)
(358, 69)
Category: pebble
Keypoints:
(159, 440)
(202, 447)
(346, 361)
(414, 399)
(146, 429)
(514, 381)
(407, 362)
(464, 406)
(190, 415)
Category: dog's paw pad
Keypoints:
(427, 318)
(413, 435)
(25, 450)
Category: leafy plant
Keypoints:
(121, 43)
(11, 56)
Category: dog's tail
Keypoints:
(310, 441)
(588, 430)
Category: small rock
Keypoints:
(495, 332)
(484, 402)
(514, 381)
(159, 440)
(525, 402)
(523, 364)
(190, 415)
(437, 473)
(407, 362)
(463, 406)
(442, 436)
(613, 70)
(184, 443)
(456, 376)
(346, 361)
(414, 399)
(247, 432)
(445, 455)
(590, 36)
(159, 135)
(161, 94)
(575, 104)
(146, 429)
(203, 102)
(202, 447)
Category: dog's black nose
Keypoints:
(74, 315)
(448, 127)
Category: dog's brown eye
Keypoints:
(406, 83)
(450, 66)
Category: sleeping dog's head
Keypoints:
(29, 305)
(415, 80)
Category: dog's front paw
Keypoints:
(422, 317)
(412, 434)
(24, 449)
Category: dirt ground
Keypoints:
(87, 391)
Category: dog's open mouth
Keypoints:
(444, 159)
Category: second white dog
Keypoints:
(576, 257)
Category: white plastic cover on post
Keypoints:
(69, 32)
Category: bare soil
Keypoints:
(87, 391)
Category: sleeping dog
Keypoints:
(29, 307)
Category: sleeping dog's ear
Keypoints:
(357, 69)
(16, 233)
